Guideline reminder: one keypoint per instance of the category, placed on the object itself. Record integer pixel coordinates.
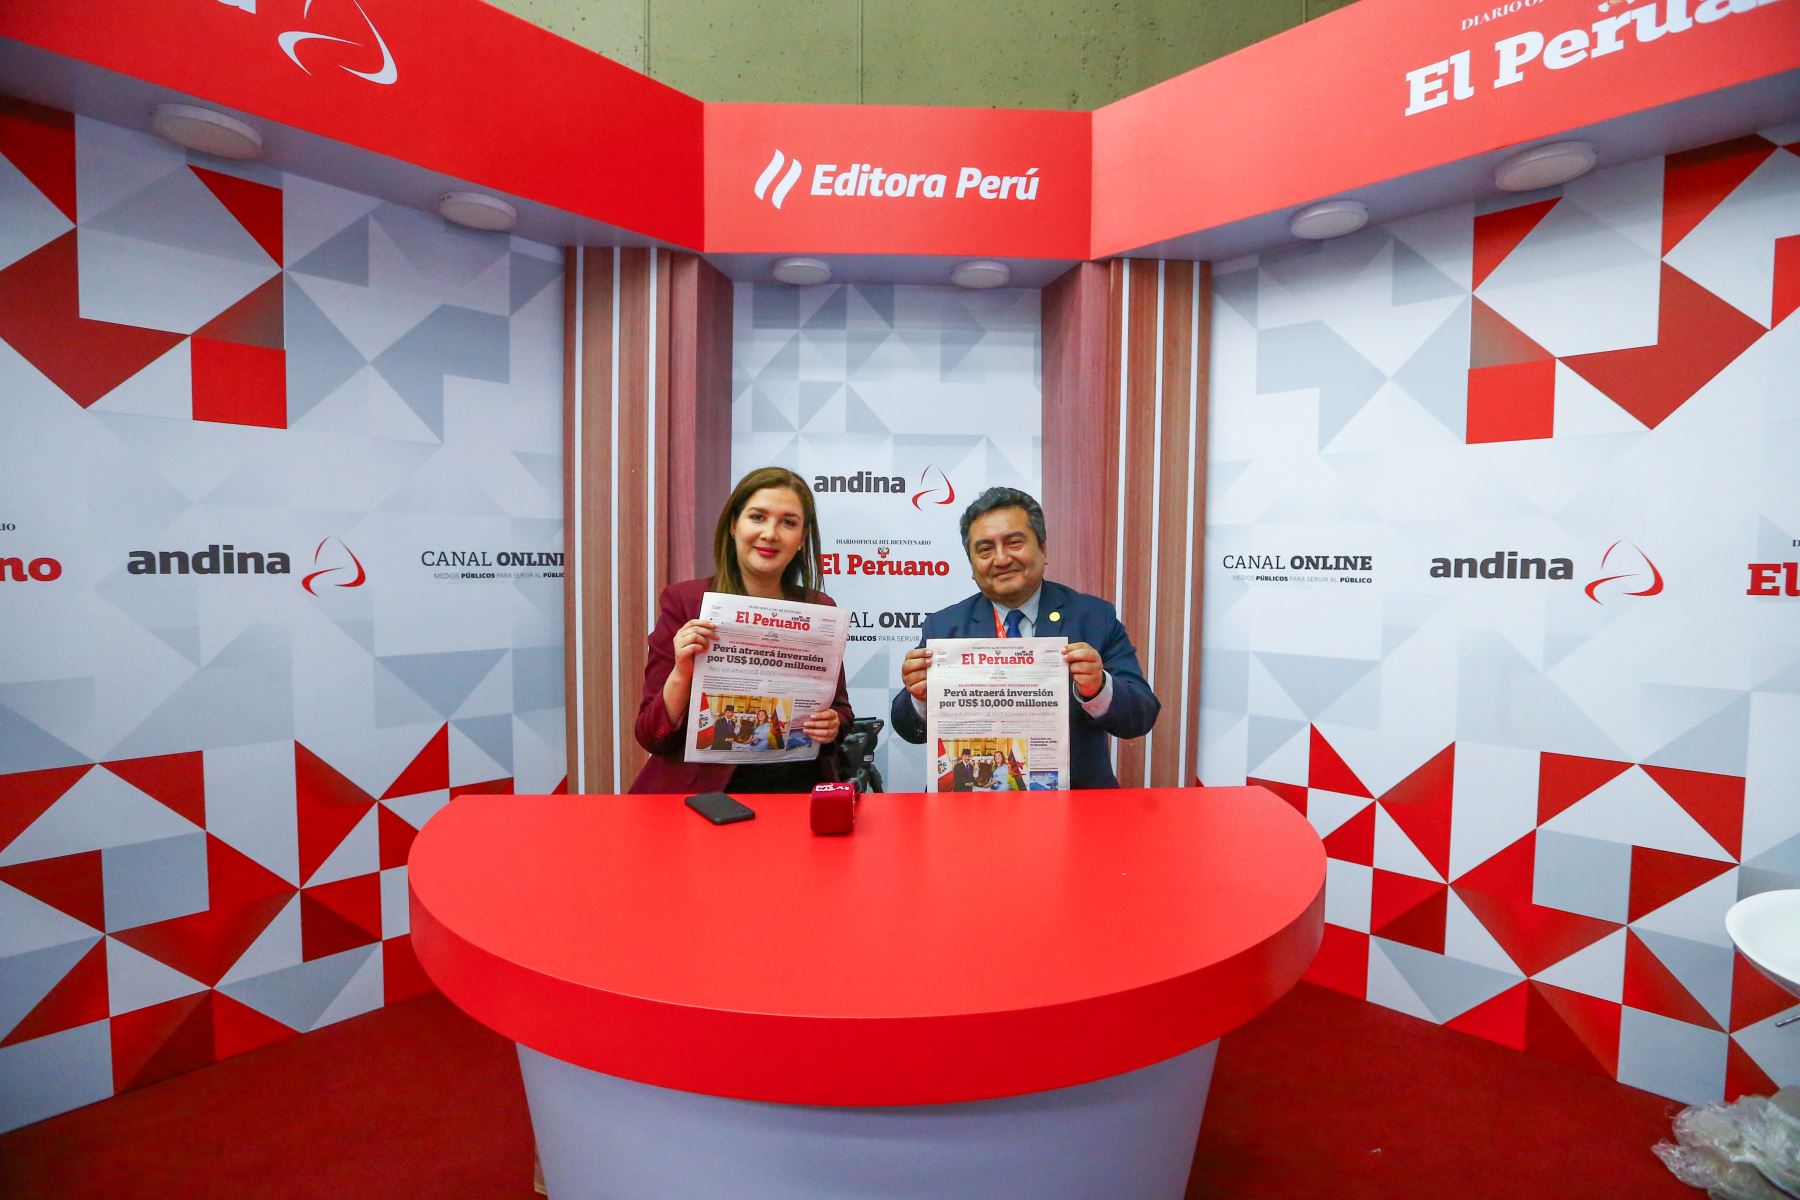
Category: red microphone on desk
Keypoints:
(833, 808)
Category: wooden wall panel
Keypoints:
(653, 360)
(1077, 406)
(1190, 765)
(1124, 474)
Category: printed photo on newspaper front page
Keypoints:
(997, 715)
(775, 663)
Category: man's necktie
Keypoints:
(1013, 621)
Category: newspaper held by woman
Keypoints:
(775, 663)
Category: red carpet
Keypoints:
(1323, 1096)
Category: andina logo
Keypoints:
(884, 183)
(335, 564)
(387, 73)
(928, 492)
(1648, 575)
(934, 485)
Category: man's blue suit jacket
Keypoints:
(1084, 618)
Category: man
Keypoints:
(962, 775)
(1003, 534)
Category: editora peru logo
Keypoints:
(338, 567)
(1635, 577)
(886, 183)
(294, 39)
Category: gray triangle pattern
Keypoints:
(298, 996)
(451, 341)
(1416, 280)
(319, 358)
(859, 417)
(1313, 681)
(530, 275)
(344, 257)
(443, 680)
(1312, 355)
(1448, 986)
(1437, 375)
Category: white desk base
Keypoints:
(604, 1138)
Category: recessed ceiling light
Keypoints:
(477, 210)
(1545, 166)
(802, 272)
(206, 131)
(1333, 218)
(982, 273)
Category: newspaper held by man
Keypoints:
(774, 664)
(997, 715)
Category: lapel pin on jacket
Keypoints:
(1056, 616)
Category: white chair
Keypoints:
(1766, 930)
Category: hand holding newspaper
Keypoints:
(997, 714)
(775, 663)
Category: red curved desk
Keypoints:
(954, 948)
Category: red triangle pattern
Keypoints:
(1653, 987)
(1498, 234)
(40, 142)
(1496, 342)
(562, 789)
(1743, 1077)
(1326, 769)
(1293, 793)
(71, 884)
(1754, 996)
(1498, 892)
(1354, 840)
(238, 1028)
(1659, 876)
(259, 319)
(1408, 910)
(162, 1040)
(396, 837)
(1420, 806)
(429, 771)
(1342, 963)
(79, 998)
(1568, 1027)
(340, 916)
(1697, 336)
(402, 977)
(25, 796)
(1787, 280)
(327, 805)
(1500, 1019)
(243, 897)
(40, 317)
(1565, 779)
(235, 383)
(178, 781)
(257, 206)
(1716, 802)
(1696, 182)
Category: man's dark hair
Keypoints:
(1005, 497)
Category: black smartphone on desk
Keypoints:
(720, 809)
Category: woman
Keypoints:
(766, 545)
